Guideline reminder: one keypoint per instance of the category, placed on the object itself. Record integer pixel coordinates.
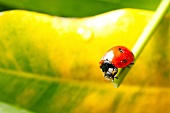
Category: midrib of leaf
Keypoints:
(39, 77)
(45, 94)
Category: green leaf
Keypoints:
(50, 64)
(77, 8)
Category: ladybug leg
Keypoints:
(132, 63)
(108, 75)
(116, 77)
(112, 72)
(115, 71)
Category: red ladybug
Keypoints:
(114, 58)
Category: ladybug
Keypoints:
(114, 58)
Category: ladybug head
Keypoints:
(108, 69)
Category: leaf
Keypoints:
(77, 8)
(50, 64)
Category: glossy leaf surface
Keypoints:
(51, 64)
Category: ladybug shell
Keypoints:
(119, 56)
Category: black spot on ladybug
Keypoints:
(124, 60)
(120, 50)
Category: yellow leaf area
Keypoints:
(62, 55)
(126, 100)
(65, 47)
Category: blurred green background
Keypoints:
(49, 57)
(77, 8)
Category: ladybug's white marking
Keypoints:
(110, 70)
(109, 55)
